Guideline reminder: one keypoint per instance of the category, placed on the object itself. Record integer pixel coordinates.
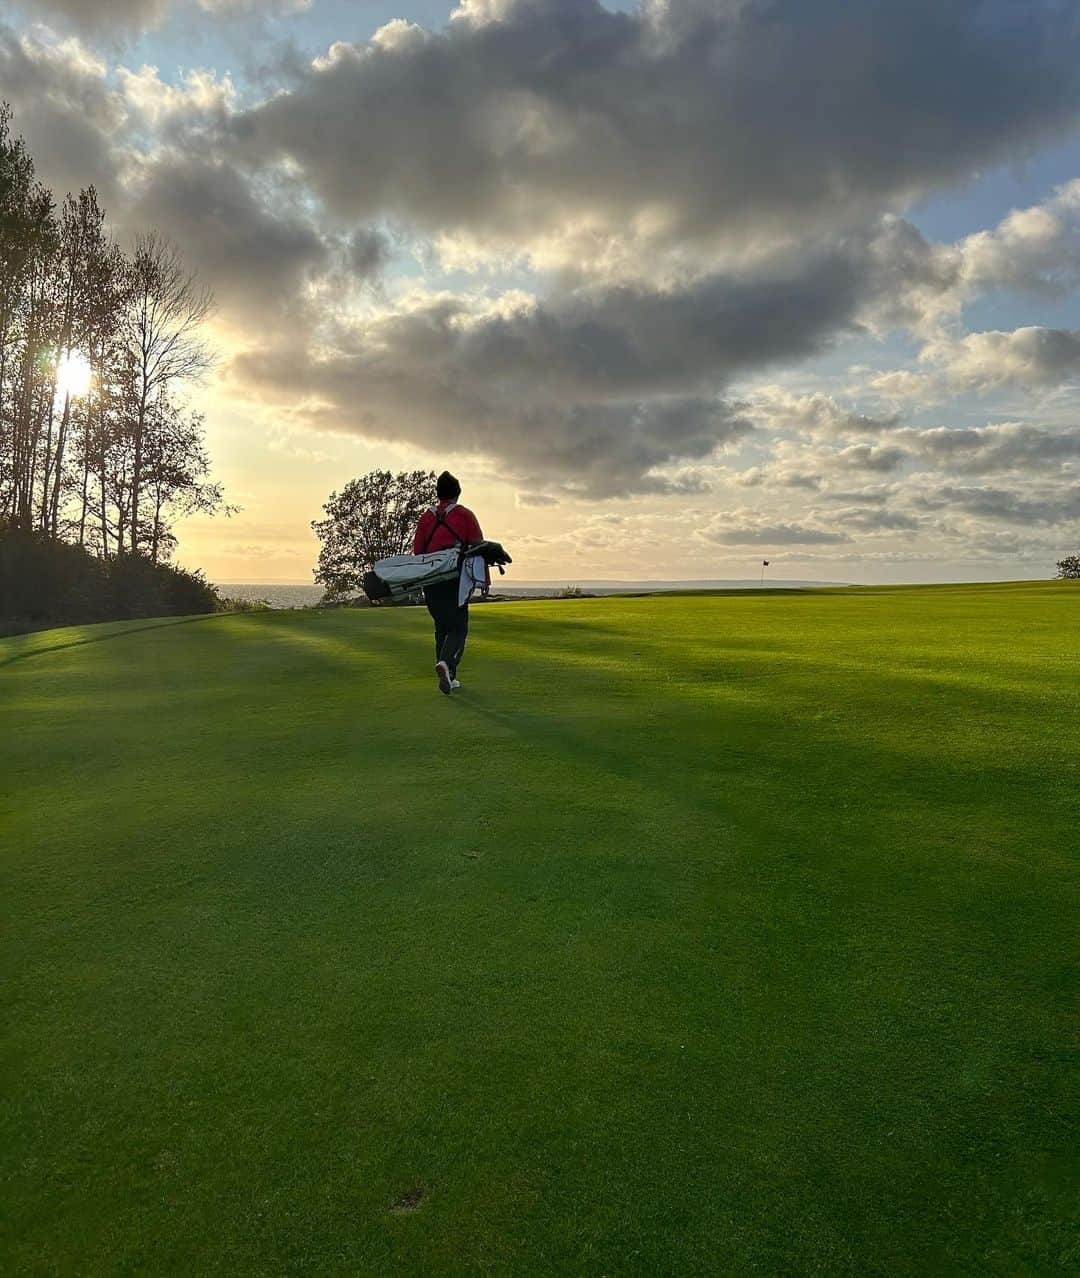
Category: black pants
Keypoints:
(451, 622)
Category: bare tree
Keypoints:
(176, 471)
(106, 305)
(35, 380)
(164, 344)
(85, 302)
(18, 191)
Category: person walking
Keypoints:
(441, 526)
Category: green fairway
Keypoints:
(697, 935)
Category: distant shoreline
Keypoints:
(613, 583)
(285, 594)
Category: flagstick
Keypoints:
(763, 574)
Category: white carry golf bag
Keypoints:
(404, 574)
(400, 575)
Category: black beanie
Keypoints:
(447, 487)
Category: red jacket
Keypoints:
(460, 519)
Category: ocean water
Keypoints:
(298, 595)
(277, 595)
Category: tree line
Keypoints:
(98, 448)
(96, 444)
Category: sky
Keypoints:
(673, 286)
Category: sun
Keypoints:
(73, 375)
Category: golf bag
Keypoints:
(403, 574)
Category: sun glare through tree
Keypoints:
(73, 375)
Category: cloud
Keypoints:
(1032, 357)
(986, 548)
(1035, 249)
(369, 252)
(1010, 446)
(867, 457)
(1034, 505)
(777, 476)
(255, 6)
(812, 465)
(688, 221)
(875, 494)
(900, 386)
(92, 15)
(752, 530)
(874, 519)
(678, 124)
(135, 16)
(256, 261)
(815, 414)
(1015, 448)
(594, 389)
(924, 286)
(64, 110)
(918, 282)
(154, 105)
(143, 145)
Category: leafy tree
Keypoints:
(372, 518)
(1069, 567)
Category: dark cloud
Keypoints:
(93, 15)
(255, 260)
(64, 111)
(591, 448)
(369, 251)
(917, 281)
(1007, 505)
(596, 388)
(874, 519)
(765, 533)
(799, 479)
(135, 16)
(245, 236)
(1012, 446)
(687, 119)
(875, 496)
(867, 457)
(774, 476)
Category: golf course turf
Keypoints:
(696, 935)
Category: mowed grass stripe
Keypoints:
(699, 935)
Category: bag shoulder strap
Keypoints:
(441, 522)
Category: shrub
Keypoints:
(44, 582)
(137, 587)
(229, 604)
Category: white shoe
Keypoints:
(442, 673)
(454, 685)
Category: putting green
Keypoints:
(698, 935)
